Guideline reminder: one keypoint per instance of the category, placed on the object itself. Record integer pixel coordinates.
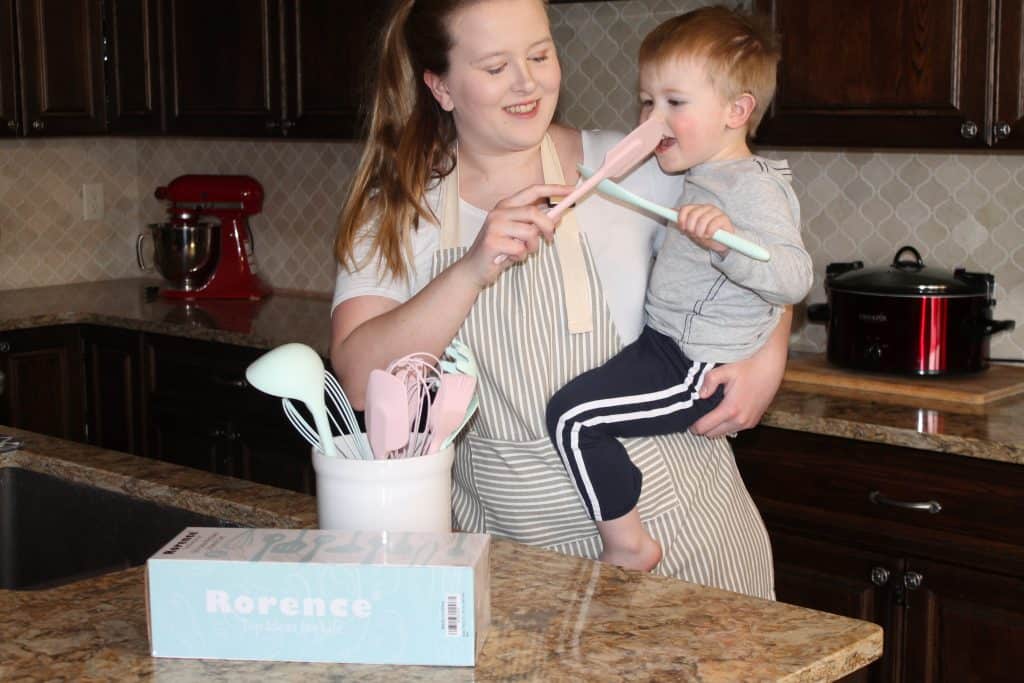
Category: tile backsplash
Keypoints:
(963, 209)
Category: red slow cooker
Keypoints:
(906, 318)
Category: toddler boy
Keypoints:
(710, 74)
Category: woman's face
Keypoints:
(503, 76)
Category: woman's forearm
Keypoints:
(368, 335)
(750, 385)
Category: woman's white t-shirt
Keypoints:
(622, 239)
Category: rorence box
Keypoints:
(320, 596)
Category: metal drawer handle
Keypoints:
(932, 506)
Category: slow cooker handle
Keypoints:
(819, 313)
(916, 264)
(990, 327)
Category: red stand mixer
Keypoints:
(204, 259)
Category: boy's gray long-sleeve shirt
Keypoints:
(724, 308)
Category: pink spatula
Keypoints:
(619, 159)
(387, 413)
(449, 407)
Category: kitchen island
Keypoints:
(553, 617)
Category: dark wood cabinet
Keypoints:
(41, 381)
(1008, 125)
(181, 400)
(840, 580)
(60, 56)
(223, 67)
(963, 625)
(134, 86)
(8, 72)
(114, 409)
(329, 65)
(928, 545)
(896, 73)
(269, 69)
(204, 414)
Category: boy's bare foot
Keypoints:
(644, 555)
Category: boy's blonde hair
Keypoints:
(741, 52)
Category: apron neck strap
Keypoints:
(568, 242)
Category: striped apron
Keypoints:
(529, 338)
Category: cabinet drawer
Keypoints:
(203, 371)
(806, 475)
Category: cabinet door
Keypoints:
(62, 79)
(223, 69)
(113, 381)
(963, 625)
(330, 49)
(188, 437)
(841, 580)
(133, 57)
(273, 453)
(893, 73)
(8, 102)
(42, 387)
(1008, 128)
(205, 414)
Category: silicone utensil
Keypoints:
(450, 404)
(474, 403)
(295, 371)
(459, 358)
(387, 413)
(745, 247)
(619, 159)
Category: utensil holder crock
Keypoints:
(404, 494)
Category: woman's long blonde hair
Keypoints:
(410, 139)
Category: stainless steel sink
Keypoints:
(54, 531)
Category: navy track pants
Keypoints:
(647, 389)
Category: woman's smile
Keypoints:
(524, 109)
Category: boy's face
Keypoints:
(701, 120)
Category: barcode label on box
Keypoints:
(453, 615)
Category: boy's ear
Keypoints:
(740, 110)
(439, 89)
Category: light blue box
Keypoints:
(320, 596)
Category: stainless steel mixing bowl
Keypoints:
(185, 254)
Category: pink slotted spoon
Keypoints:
(619, 159)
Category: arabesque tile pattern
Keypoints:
(962, 209)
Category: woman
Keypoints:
(438, 239)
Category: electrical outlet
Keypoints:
(92, 201)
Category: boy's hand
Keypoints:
(700, 221)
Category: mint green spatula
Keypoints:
(612, 189)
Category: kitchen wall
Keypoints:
(963, 209)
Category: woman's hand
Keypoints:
(700, 221)
(750, 385)
(513, 229)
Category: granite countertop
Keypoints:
(994, 431)
(554, 617)
(283, 317)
